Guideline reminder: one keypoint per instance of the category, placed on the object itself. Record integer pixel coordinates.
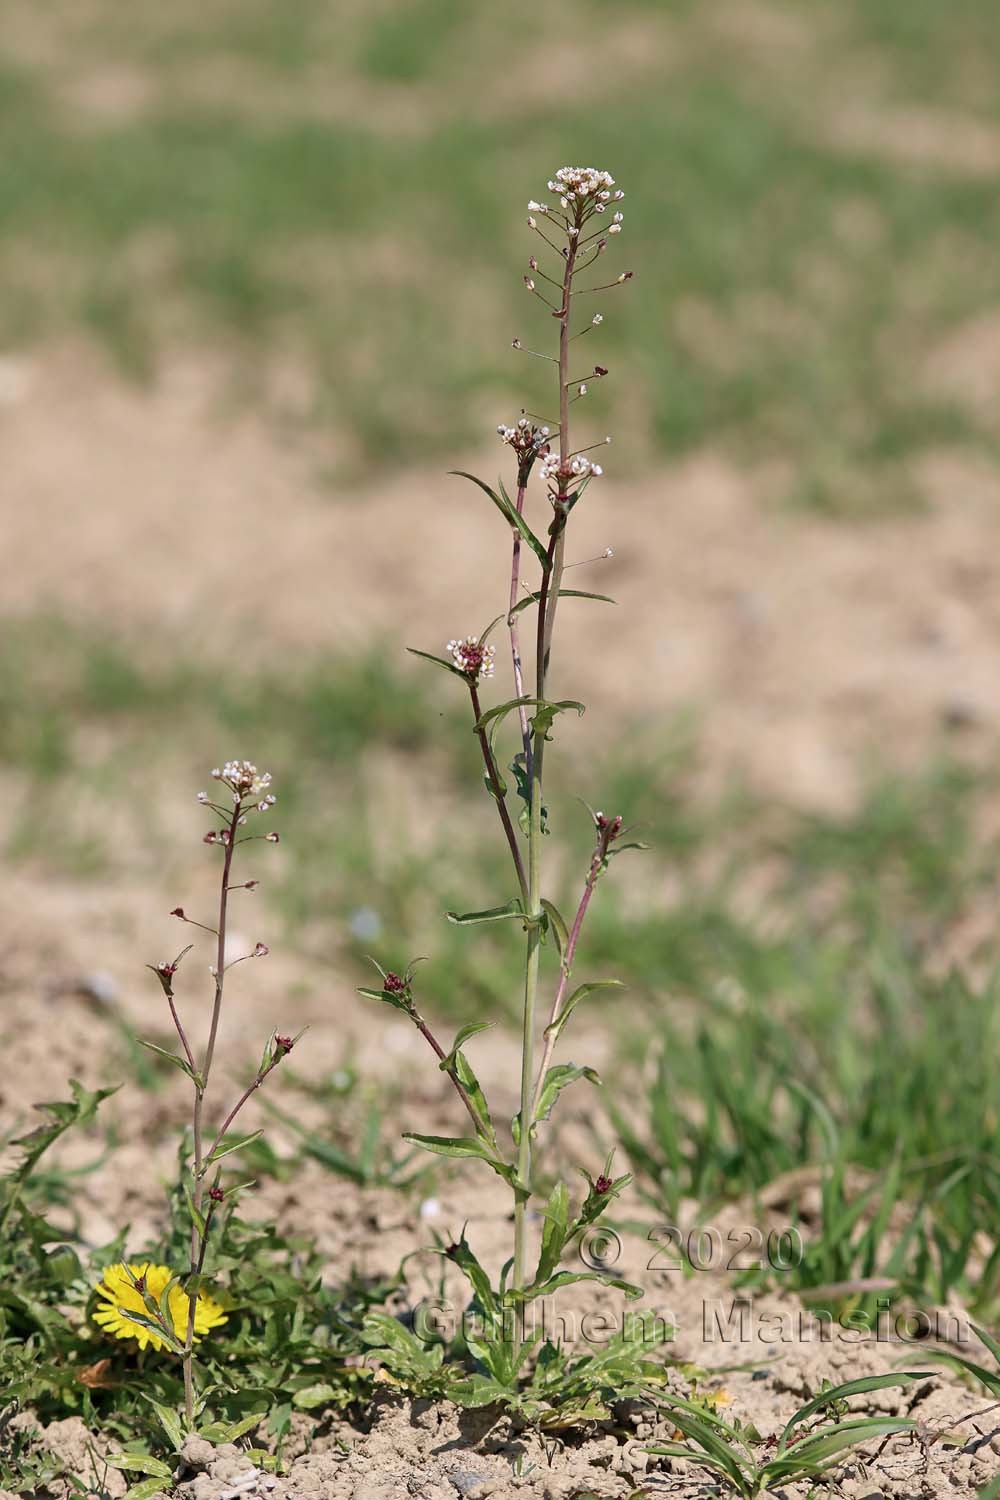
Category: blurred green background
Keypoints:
(340, 184)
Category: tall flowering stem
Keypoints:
(247, 793)
(577, 229)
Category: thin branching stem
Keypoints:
(497, 788)
(514, 632)
(593, 875)
(548, 596)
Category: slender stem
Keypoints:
(254, 1084)
(567, 964)
(199, 1239)
(429, 1036)
(182, 1034)
(499, 795)
(548, 598)
(515, 635)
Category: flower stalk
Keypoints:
(573, 231)
(249, 793)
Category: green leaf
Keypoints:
(478, 1390)
(812, 1453)
(554, 1232)
(567, 1278)
(543, 720)
(315, 1395)
(512, 909)
(467, 1263)
(533, 598)
(146, 1488)
(226, 1147)
(171, 1424)
(446, 1145)
(152, 1326)
(388, 996)
(140, 1463)
(462, 1070)
(559, 1077)
(465, 1034)
(841, 1393)
(580, 993)
(449, 666)
(510, 514)
(172, 1057)
(557, 926)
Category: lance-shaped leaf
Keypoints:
(557, 926)
(580, 993)
(462, 1069)
(441, 662)
(467, 1263)
(559, 1077)
(567, 1278)
(512, 909)
(541, 720)
(470, 1145)
(811, 1455)
(152, 1325)
(533, 598)
(510, 514)
(391, 997)
(139, 1463)
(554, 1232)
(228, 1145)
(841, 1393)
(172, 1057)
(473, 1028)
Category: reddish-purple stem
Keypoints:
(515, 639)
(499, 795)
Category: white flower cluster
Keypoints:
(472, 658)
(585, 185)
(523, 435)
(577, 467)
(245, 782)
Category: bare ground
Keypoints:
(805, 642)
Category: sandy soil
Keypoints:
(806, 642)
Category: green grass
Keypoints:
(790, 291)
(787, 972)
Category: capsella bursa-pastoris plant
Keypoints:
(180, 1311)
(576, 230)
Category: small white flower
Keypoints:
(581, 390)
(597, 319)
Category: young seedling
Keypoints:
(807, 1448)
(175, 1316)
(575, 232)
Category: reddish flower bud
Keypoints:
(603, 1185)
(394, 983)
(261, 950)
(178, 911)
(283, 1043)
(216, 1194)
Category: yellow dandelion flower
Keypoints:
(120, 1297)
